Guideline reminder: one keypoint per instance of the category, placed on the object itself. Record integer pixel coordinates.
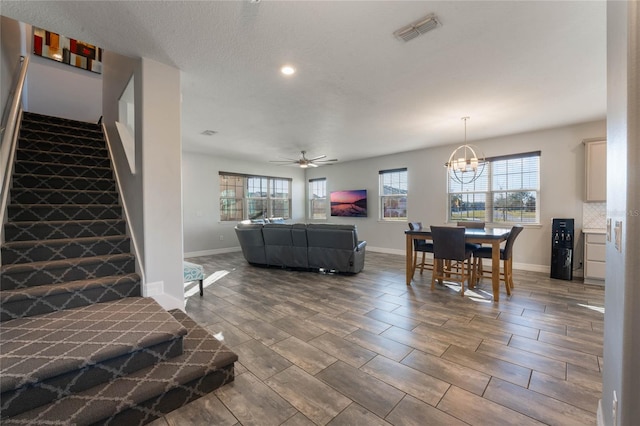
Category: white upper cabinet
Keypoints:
(596, 170)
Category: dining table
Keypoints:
(489, 236)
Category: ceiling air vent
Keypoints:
(417, 28)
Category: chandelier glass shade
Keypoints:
(466, 163)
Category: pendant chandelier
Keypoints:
(466, 162)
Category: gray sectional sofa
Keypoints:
(309, 246)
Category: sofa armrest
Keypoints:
(361, 245)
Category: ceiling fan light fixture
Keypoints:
(303, 162)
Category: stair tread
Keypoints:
(63, 154)
(61, 147)
(98, 136)
(74, 191)
(52, 229)
(55, 264)
(19, 175)
(202, 355)
(62, 241)
(28, 223)
(27, 206)
(44, 346)
(60, 223)
(78, 136)
(39, 163)
(69, 286)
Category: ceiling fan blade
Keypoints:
(317, 158)
(283, 161)
(312, 165)
(328, 161)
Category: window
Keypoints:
(393, 194)
(507, 192)
(318, 198)
(253, 197)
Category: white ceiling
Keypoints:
(512, 66)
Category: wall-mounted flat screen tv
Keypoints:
(349, 203)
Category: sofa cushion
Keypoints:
(334, 247)
(278, 244)
(332, 236)
(251, 242)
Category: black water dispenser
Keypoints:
(562, 249)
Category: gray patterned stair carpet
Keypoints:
(78, 343)
(149, 393)
(75, 349)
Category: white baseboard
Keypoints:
(594, 281)
(386, 250)
(599, 415)
(212, 251)
(531, 267)
(169, 302)
(153, 289)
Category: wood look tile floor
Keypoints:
(367, 349)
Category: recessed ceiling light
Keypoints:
(287, 70)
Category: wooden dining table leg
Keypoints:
(495, 269)
(409, 266)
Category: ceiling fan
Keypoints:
(305, 162)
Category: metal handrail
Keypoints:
(10, 137)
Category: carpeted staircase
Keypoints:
(78, 343)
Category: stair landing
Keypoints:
(149, 393)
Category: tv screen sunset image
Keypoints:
(349, 203)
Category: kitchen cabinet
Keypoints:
(596, 170)
(594, 257)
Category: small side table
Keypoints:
(193, 272)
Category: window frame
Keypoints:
(267, 198)
(494, 169)
(311, 199)
(383, 197)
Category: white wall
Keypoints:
(10, 51)
(201, 200)
(117, 70)
(52, 88)
(162, 181)
(62, 90)
(621, 373)
(562, 188)
(153, 195)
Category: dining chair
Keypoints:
(421, 246)
(451, 256)
(472, 224)
(506, 255)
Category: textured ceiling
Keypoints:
(512, 66)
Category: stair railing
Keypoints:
(9, 131)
